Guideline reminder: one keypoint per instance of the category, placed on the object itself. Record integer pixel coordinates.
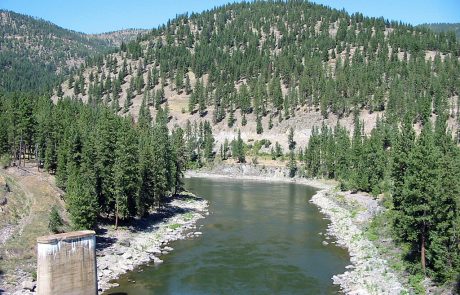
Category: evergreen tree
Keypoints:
(259, 128)
(291, 142)
(125, 173)
(292, 165)
(238, 152)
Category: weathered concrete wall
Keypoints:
(66, 264)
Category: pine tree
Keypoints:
(208, 141)
(238, 149)
(259, 128)
(291, 142)
(125, 172)
(292, 165)
(180, 158)
(231, 118)
(145, 198)
(160, 164)
(422, 185)
(244, 121)
(145, 118)
(81, 195)
(187, 86)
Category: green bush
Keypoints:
(5, 161)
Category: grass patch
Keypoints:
(175, 226)
(188, 216)
(416, 283)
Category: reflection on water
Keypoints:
(260, 238)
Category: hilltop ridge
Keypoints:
(34, 52)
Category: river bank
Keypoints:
(349, 215)
(125, 249)
(251, 172)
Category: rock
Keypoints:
(325, 243)
(125, 267)
(127, 255)
(103, 265)
(197, 233)
(144, 259)
(125, 243)
(29, 285)
(153, 250)
(169, 249)
(119, 251)
(3, 201)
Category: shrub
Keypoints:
(5, 161)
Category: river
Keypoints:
(260, 238)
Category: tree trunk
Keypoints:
(423, 253)
(116, 219)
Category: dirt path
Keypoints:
(33, 194)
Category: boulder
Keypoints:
(119, 251)
(153, 250)
(125, 243)
(127, 255)
(29, 285)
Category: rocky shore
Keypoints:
(349, 214)
(147, 242)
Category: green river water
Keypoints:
(260, 238)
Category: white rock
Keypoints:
(127, 255)
(29, 285)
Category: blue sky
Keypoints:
(96, 16)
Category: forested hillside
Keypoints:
(34, 51)
(267, 65)
(444, 27)
(116, 38)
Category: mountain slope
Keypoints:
(116, 38)
(33, 51)
(266, 66)
(444, 27)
